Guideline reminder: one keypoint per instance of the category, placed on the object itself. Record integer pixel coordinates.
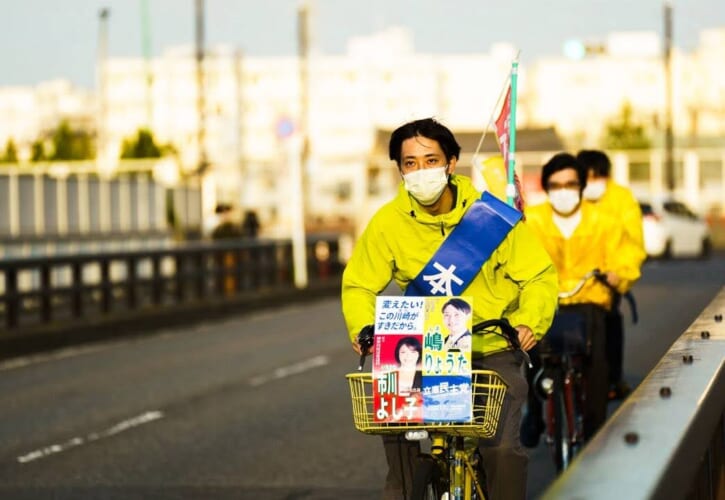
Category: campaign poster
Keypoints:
(422, 359)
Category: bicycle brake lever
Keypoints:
(365, 341)
(362, 361)
(527, 358)
(513, 336)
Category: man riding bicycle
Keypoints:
(579, 239)
(618, 201)
(515, 279)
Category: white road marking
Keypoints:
(54, 355)
(144, 418)
(69, 352)
(286, 371)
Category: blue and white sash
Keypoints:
(460, 257)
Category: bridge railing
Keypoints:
(666, 440)
(38, 291)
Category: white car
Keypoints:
(671, 229)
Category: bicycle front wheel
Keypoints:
(428, 481)
(560, 399)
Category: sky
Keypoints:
(47, 39)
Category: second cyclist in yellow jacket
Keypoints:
(579, 238)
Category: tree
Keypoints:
(624, 133)
(141, 146)
(69, 144)
(11, 153)
(37, 151)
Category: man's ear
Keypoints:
(452, 165)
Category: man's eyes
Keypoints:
(433, 162)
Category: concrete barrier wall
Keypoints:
(666, 440)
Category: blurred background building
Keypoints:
(609, 94)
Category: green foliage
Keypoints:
(11, 153)
(624, 133)
(69, 144)
(37, 151)
(141, 146)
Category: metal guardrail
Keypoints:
(666, 440)
(61, 288)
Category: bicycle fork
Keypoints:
(463, 481)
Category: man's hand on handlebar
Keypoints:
(612, 279)
(363, 344)
(358, 349)
(526, 337)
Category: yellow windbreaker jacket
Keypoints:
(597, 242)
(517, 282)
(620, 203)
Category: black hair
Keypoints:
(459, 304)
(410, 342)
(595, 160)
(428, 128)
(562, 161)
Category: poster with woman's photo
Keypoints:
(422, 359)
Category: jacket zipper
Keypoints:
(443, 233)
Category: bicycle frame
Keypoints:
(451, 455)
(561, 380)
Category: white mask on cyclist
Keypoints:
(595, 189)
(427, 184)
(564, 201)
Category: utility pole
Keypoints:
(669, 136)
(202, 162)
(146, 47)
(104, 163)
(240, 131)
(200, 91)
(298, 148)
(303, 33)
(102, 57)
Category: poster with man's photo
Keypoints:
(422, 359)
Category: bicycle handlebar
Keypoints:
(510, 333)
(365, 340)
(602, 277)
(594, 273)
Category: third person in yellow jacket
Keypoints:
(619, 202)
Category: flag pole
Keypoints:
(490, 120)
(511, 186)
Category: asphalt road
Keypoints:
(254, 406)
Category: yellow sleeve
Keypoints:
(626, 208)
(366, 275)
(530, 266)
(622, 256)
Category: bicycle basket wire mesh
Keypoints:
(489, 390)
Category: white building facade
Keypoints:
(380, 83)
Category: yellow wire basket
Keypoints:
(488, 391)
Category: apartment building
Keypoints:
(251, 105)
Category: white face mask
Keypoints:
(595, 189)
(427, 184)
(564, 201)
